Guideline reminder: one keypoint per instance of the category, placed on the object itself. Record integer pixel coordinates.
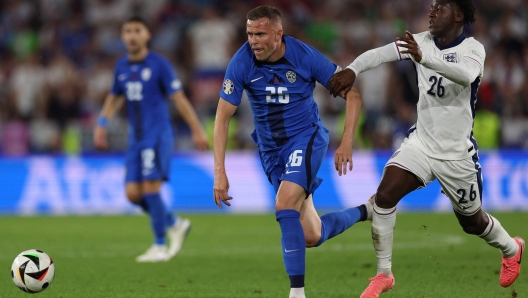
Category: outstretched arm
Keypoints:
(111, 105)
(224, 112)
(189, 115)
(344, 80)
(343, 154)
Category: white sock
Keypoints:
(383, 222)
(496, 236)
(297, 293)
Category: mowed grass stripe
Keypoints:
(240, 256)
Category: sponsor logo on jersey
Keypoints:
(291, 76)
(228, 86)
(146, 73)
(451, 57)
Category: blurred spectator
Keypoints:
(27, 82)
(211, 48)
(57, 59)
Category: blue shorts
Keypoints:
(299, 160)
(149, 160)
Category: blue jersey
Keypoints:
(146, 86)
(280, 93)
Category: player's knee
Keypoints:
(134, 196)
(284, 205)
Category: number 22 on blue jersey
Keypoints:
(134, 91)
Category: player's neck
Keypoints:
(447, 38)
(139, 55)
(279, 53)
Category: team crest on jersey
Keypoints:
(451, 57)
(291, 76)
(228, 86)
(176, 84)
(146, 73)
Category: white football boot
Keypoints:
(297, 293)
(177, 234)
(156, 253)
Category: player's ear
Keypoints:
(459, 15)
(280, 32)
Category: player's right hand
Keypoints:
(200, 140)
(341, 82)
(220, 188)
(100, 139)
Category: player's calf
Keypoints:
(312, 238)
(474, 224)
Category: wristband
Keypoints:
(102, 121)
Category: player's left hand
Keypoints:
(411, 45)
(342, 157)
(200, 140)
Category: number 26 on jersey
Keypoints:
(277, 94)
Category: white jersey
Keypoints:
(448, 79)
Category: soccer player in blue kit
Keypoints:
(145, 80)
(279, 75)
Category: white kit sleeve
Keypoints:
(463, 73)
(373, 58)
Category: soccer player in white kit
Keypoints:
(440, 145)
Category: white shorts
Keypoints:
(461, 180)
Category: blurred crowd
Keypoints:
(57, 59)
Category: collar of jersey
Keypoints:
(452, 44)
(140, 61)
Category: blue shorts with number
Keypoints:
(299, 160)
(149, 160)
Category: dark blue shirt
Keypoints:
(146, 86)
(281, 92)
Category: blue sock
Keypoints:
(158, 216)
(293, 246)
(170, 219)
(143, 204)
(335, 223)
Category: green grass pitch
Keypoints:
(240, 256)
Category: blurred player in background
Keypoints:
(279, 75)
(441, 144)
(144, 80)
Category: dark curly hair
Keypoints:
(468, 9)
